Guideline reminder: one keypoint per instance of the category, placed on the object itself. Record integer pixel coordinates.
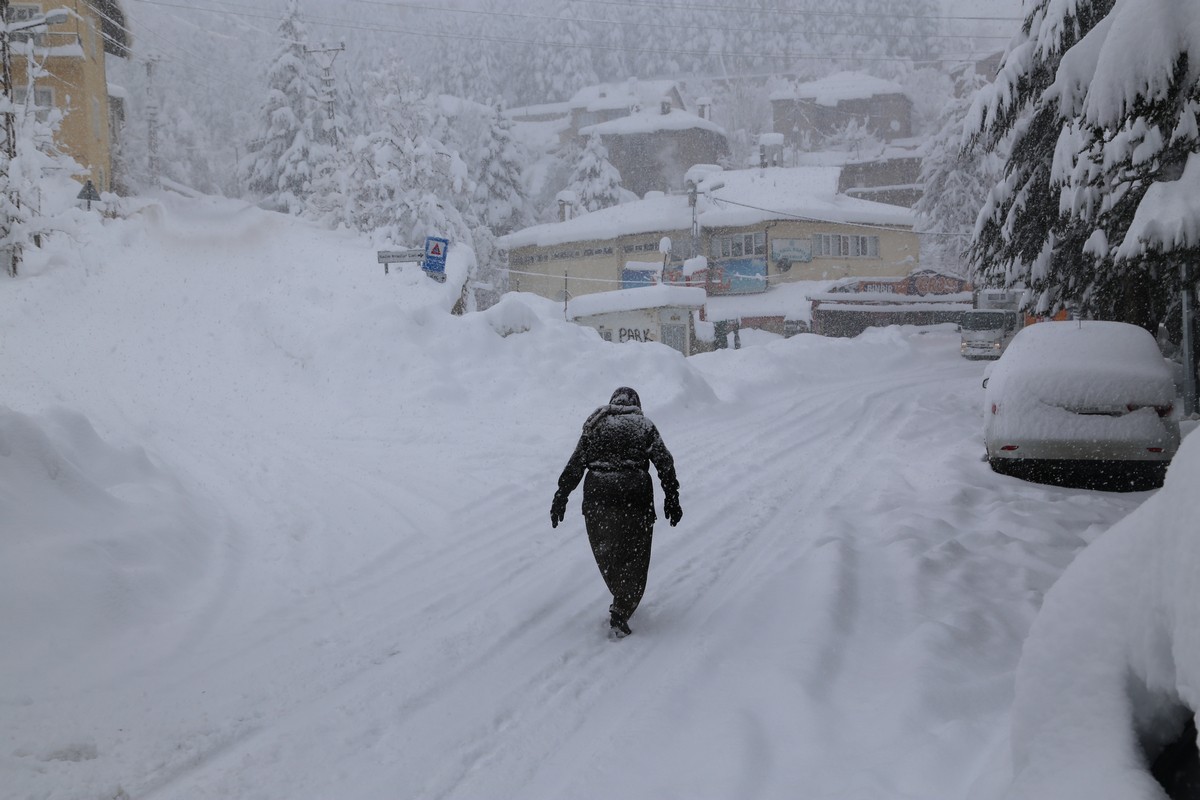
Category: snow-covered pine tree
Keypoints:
(562, 67)
(500, 198)
(23, 178)
(595, 181)
(956, 181)
(1099, 99)
(407, 185)
(280, 170)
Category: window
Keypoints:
(836, 246)
(43, 100)
(740, 245)
(24, 13)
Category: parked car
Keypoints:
(1082, 403)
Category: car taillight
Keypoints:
(1162, 411)
(1154, 449)
(995, 408)
(1008, 448)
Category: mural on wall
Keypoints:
(738, 276)
(632, 278)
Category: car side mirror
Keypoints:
(985, 380)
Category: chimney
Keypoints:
(567, 200)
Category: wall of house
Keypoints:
(80, 88)
(590, 266)
(888, 116)
(898, 252)
(896, 181)
(790, 255)
(644, 325)
(639, 325)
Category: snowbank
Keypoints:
(1111, 668)
(293, 516)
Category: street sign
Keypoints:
(435, 256)
(89, 193)
(414, 255)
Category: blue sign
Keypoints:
(631, 278)
(738, 276)
(435, 254)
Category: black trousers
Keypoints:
(620, 539)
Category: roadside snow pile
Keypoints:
(1111, 669)
(97, 540)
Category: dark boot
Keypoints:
(618, 626)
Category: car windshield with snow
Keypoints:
(1082, 403)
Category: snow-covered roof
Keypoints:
(750, 196)
(541, 110)
(657, 296)
(607, 96)
(832, 89)
(651, 120)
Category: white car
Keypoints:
(1084, 403)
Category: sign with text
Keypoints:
(396, 256)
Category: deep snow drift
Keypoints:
(274, 524)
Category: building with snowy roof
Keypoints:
(651, 137)
(814, 111)
(669, 315)
(755, 227)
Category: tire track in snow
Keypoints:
(513, 688)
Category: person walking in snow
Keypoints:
(616, 448)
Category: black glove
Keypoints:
(673, 511)
(558, 510)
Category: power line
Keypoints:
(196, 61)
(440, 34)
(833, 221)
(790, 11)
(399, 4)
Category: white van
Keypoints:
(986, 332)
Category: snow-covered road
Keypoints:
(321, 504)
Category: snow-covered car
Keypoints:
(1085, 403)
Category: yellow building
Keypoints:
(73, 56)
(755, 227)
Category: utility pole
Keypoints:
(1188, 285)
(151, 120)
(10, 126)
(325, 57)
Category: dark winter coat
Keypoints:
(616, 448)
